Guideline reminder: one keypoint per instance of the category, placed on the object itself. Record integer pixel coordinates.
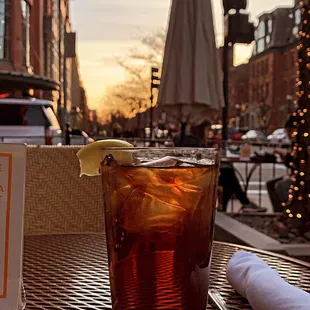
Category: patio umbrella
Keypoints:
(191, 87)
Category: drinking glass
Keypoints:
(159, 214)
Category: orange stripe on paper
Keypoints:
(7, 226)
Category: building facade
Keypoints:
(239, 96)
(60, 53)
(21, 49)
(271, 72)
(79, 113)
(37, 48)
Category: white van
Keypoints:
(31, 121)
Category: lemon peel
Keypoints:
(91, 155)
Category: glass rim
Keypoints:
(191, 155)
(161, 149)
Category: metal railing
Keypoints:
(161, 141)
(253, 178)
(252, 175)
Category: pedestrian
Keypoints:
(200, 136)
(228, 180)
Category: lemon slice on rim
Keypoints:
(91, 155)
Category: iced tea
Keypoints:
(159, 225)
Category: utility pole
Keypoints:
(226, 90)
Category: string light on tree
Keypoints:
(298, 206)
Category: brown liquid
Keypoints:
(159, 224)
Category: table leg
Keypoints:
(249, 175)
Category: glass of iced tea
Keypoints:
(159, 213)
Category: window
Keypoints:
(254, 48)
(4, 28)
(270, 23)
(46, 43)
(292, 84)
(260, 45)
(266, 66)
(258, 69)
(27, 115)
(261, 30)
(293, 60)
(26, 31)
(297, 22)
(55, 42)
(297, 17)
(256, 34)
(258, 94)
(262, 67)
(267, 90)
(262, 93)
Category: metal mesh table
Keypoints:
(71, 272)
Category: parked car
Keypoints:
(279, 136)
(30, 121)
(80, 137)
(254, 136)
(233, 134)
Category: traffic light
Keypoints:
(238, 28)
(155, 80)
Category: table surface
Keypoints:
(71, 272)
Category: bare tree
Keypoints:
(132, 96)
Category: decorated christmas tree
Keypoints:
(298, 206)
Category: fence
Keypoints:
(252, 176)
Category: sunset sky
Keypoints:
(106, 29)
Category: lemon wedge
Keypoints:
(91, 155)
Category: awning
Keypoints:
(14, 80)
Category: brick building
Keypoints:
(238, 95)
(21, 50)
(60, 54)
(36, 51)
(271, 72)
(262, 92)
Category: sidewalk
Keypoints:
(253, 194)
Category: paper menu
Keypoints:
(12, 184)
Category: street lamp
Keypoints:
(237, 29)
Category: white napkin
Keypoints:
(263, 287)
